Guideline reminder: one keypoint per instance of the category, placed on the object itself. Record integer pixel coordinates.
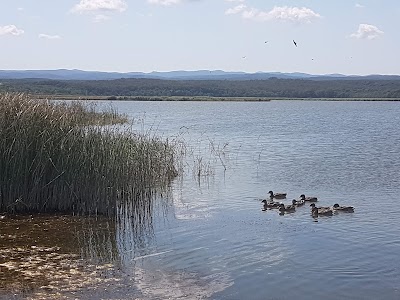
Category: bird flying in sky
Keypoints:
(294, 42)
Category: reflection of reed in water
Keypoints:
(96, 240)
(134, 223)
(131, 233)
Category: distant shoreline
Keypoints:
(199, 98)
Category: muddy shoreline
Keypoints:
(41, 258)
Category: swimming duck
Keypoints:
(298, 202)
(337, 207)
(270, 204)
(309, 199)
(323, 211)
(277, 195)
(315, 212)
(321, 207)
(287, 208)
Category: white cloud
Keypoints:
(49, 37)
(164, 2)
(234, 0)
(10, 30)
(100, 5)
(280, 13)
(172, 2)
(301, 14)
(235, 10)
(358, 5)
(366, 31)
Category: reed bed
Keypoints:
(56, 157)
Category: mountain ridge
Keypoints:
(76, 74)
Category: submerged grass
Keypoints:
(56, 157)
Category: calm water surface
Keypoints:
(209, 238)
(212, 240)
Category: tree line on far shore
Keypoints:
(271, 88)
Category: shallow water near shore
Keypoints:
(208, 237)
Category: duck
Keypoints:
(277, 195)
(309, 199)
(323, 211)
(287, 208)
(298, 202)
(316, 211)
(270, 204)
(337, 207)
(321, 207)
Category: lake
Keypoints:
(208, 237)
(212, 240)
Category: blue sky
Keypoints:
(332, 36)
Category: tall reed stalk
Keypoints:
(57, 157)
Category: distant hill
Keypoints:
(64, 74)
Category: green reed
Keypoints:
(56, 157)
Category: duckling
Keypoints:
(309, 199)
(315, 211)
(337, 207)
(270, 204)
(298, 202)
(277, 195)
(287, 208)
(321, 207)
(323, 211)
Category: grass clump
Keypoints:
(56, 157)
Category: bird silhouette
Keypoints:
(294, 42)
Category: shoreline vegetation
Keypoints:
(206, 90)
(198, 98)
(68, 157)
